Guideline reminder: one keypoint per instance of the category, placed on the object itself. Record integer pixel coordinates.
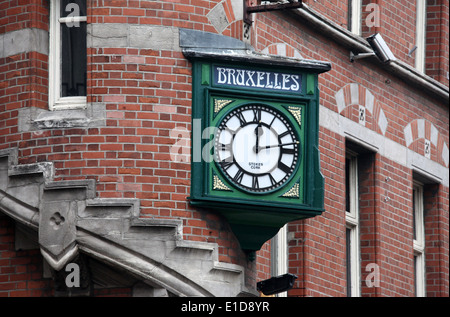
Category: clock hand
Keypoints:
(258, 132)
(277, 145)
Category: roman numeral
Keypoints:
(225, 147)
(256, 115)
(239, 175)
(283, 134)
(272, 180)
(271, 122)
(284, 167)
(287, 151)
(226, 163)
(255, 182)
(241, 118)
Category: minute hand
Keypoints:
(276, 145)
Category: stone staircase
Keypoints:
(70, 220)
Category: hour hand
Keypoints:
(258, 131)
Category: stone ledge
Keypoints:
(46, 168)
(23, 41)
(36, 119)
(132, 35)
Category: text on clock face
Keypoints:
(256, 147)
(255, 165)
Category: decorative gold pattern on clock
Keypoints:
(220, 103)
(219, 185)
(297, 113)
(293, 192)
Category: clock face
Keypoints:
(256, 147)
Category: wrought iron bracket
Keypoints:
(275, 6)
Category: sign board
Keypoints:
(257, 79)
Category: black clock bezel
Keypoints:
(296, 151)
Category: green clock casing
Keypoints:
(255, 156)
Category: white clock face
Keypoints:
(256, 147)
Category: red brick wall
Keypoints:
(185, 14)
(24, 81)
(436, 205)
(24, 76)
(369, 202)
(21, 272)
(394, 230)
(437, 40)
(21, 14)
(334, 10)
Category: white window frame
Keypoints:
(352, 223)
(421, 24)
(279, 255)
(355, 22)
(419, 241)
(56, 102)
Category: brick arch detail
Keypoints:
(356, 94)
(224, 13)
(423, 129)
(282, 49)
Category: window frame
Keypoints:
(279, 255)
(355, 14)
(56, 102)
(352, 224)
(421, 25)
(419, 240)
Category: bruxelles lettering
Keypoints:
(257, 79)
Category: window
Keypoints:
(67, 58)
(354, 16)
(421, 22)
(352, 226)
(418, 240)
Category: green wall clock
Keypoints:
(255, 155)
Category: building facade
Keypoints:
(97, 147)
